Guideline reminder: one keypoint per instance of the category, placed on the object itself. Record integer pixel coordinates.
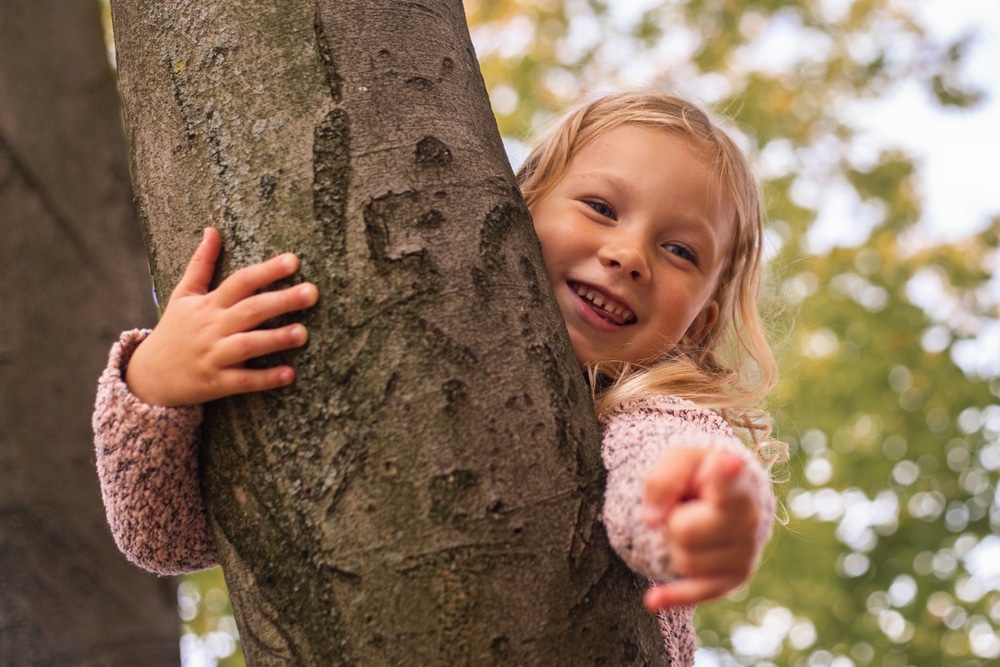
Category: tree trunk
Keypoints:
(427, 493)
(72, 274)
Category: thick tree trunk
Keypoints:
(72, 274)
(427, 493)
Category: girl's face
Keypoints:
(634, 239)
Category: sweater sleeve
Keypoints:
(636, 436)
(147, 462)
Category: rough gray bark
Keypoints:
(427, 493)
(72, 274)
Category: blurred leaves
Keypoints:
(208, 628)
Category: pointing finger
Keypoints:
(670, 483)
(689, 591)
(720, 480)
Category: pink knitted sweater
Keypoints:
(147, 461)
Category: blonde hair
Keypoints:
(732, 368)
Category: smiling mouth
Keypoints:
(607, 308)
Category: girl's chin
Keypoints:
(586, 353)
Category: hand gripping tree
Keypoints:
(427, 492)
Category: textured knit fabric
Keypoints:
(636, 437)
(147, 461)
(637, 434)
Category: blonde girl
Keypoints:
(650, 224)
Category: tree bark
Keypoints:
(72, 274)
(428, 491)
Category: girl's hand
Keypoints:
(704, 502)
(197, 351)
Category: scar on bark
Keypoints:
(333, 78)
(331, 174)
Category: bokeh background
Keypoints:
(876, 129)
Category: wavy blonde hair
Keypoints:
(732, 368)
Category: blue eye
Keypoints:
(602, 208)
(681, 251)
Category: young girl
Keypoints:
(650, 225)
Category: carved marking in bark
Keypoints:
(333, 78)
(331, 176)
(439, 343)
(447, 65)
(453, 497)
(497, 225)
(431, 150)
(392, 222)
(529, 272)
(456, 394)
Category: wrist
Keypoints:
(137, 378)
(130, 376)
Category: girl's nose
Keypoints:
(627, 255)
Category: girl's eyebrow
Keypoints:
(612, 179)
(697, 222)
(620, 184)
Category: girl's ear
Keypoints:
(703, 323)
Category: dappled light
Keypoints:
(209, 636)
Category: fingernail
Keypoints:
(307, 293)
(300, 334)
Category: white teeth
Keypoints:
(598, 301)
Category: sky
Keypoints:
(958, 156)
(961, 149)
(958, 150)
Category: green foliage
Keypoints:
(208, 627)
(895, 448)
(892, 478)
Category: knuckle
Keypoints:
(255, 310)
(243, 346)
(681, 561)
(244, 383)
(241, 277)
